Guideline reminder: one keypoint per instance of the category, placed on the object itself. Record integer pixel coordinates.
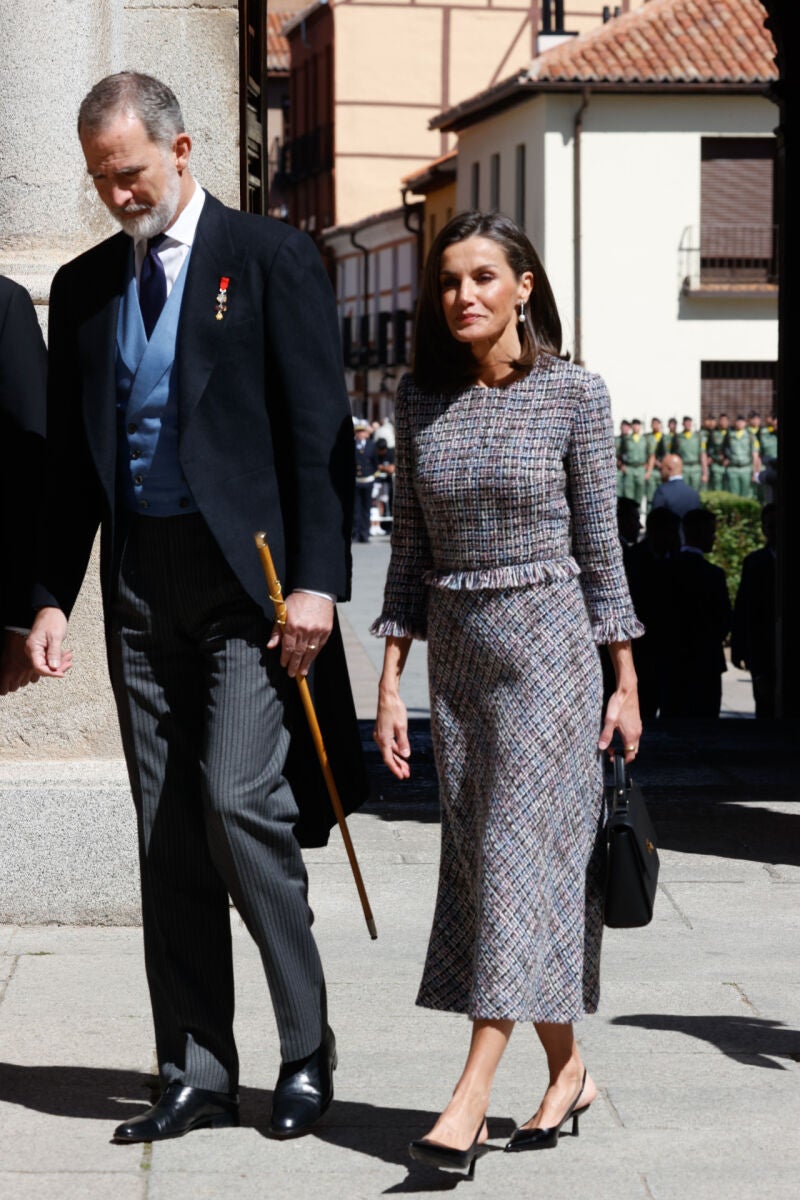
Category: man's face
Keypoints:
(137, 179)
(655, 425)
(687, 424)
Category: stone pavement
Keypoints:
(695, 1049)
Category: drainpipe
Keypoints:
(576, 226)
(418, 232)
(365, 251)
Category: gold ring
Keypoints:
(630, 747)
(312, 646)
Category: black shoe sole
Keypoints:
(223, 1121)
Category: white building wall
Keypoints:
(640, 190)
(391, 285)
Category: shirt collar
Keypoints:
(184, 228)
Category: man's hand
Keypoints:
(15, 667)
(44, 646)
(309, 620)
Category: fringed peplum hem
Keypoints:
(512, 575)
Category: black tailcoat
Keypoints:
(265, 441)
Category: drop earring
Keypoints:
(521, 317)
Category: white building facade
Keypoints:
(377, 266)
(613, 185)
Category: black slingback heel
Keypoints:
(434, 1154)
(541, 1138)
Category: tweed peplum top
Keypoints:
(507, 487)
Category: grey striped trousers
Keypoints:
(201, 714)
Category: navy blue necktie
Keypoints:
(152, 285)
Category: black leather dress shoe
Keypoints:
(304, 1091)
(179, 1110)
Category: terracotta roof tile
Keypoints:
(679, 41)
(277, 44)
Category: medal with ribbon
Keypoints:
(222, 297)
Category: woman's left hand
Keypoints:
(622, 714)
(623, 707)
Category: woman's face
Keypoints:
(481, 294)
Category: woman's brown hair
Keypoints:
(442, 364)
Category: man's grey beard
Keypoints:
(151, 221)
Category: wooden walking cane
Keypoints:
(276, 596)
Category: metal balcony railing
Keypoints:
(724, 257)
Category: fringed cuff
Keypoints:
(616, 629)
(514, 575)
(388, 627)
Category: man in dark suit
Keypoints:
(697, 605)
(674, 492)
(196, 395)
(23, 411)
(753, 638)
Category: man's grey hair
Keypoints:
(140, 95)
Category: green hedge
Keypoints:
(738, 533)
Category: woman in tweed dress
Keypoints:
(505, 556)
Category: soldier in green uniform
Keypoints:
(707, 435)
(717, 478)
(687, 444)
(768, 452)
(624, 430)
(740, 450)
(656, 449)
(768, 439)
(633, 456)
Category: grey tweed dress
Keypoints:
(505, 556)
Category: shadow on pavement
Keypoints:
(752, 1041)
(103, 1094)
(727, 830)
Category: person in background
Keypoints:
(768, 454)
(688, 445)
(656, 449)
(707, 431)
(715, 458)
(699, 608)
(753, 639)
(674, 492)
(740, 456)
(633, 455)
(366, 463)
(625, 430)
(23, 418)
(384, 484)
(646, 565)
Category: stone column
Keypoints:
(53, 51)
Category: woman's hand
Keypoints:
(622, 712)
(391, 733)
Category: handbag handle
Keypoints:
(622, 780)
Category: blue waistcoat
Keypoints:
(147, 406)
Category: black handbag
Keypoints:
(631, 852)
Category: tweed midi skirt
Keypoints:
(516, 696)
